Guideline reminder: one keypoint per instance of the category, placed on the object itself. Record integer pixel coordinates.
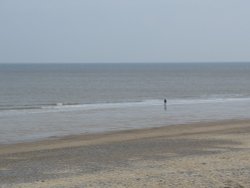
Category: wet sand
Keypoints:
(197, 155)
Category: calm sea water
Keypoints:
(38, 101)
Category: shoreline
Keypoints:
(23, 127)
(208, 154)
(112, 136)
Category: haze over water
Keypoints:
(46, 100)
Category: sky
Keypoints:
(88, 31)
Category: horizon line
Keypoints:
(159, 62)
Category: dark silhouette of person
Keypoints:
(165, 104)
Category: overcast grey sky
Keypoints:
(124, 30)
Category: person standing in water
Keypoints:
(165, 104)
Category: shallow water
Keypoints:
(39, 124)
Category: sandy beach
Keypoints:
(197, 155)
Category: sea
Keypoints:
(47, 101)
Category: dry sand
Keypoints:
(198, 155)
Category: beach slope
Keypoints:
(196, 155)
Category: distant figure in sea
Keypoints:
(165, 104)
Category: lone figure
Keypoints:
(165, 104)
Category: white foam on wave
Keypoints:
(205, 101)
(64, 107)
